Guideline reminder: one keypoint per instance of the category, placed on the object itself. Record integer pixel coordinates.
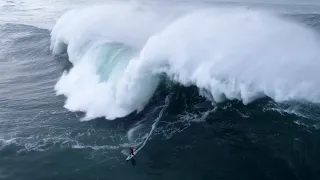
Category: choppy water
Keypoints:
(205, 90)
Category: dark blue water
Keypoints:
(193, 139)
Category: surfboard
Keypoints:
(131, 156)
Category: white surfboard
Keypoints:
(131, 156)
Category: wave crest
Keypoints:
(226, 53)
(240, 55)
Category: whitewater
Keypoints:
(121, 52)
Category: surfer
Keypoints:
(132, 159)
(131, 154)
(131, 151)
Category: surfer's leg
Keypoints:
(133, 162)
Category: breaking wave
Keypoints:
(119, 53)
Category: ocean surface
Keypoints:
(202, 90)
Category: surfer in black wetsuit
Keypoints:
(133, 162)
(131, 151)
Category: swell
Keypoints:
(117, 67)
(27, 67)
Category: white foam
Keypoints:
(238, 54)
(228, 53)
(108, 147)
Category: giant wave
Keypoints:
(119, 51)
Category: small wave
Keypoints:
(6, 142)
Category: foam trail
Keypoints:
(154, 125)
(132, 131)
